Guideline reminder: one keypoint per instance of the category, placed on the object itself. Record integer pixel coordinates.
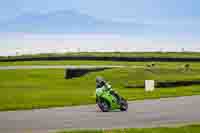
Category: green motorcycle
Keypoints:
(107, 99)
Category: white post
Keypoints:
(149, 85)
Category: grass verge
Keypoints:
(183, 129)
(30, 89)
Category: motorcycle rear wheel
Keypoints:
(123, 105)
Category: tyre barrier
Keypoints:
(78, 72)
(168, 84)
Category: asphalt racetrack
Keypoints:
(148, 113)
(58, 67)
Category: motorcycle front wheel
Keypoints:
(103, 105)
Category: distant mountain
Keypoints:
(64, 22)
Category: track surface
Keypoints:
(148, 113)
(57, 66)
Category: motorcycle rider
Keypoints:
(102, 84)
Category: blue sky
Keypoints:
(147, 10)
(171, 14)
(167, 20)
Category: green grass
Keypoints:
(116, 54)
(75, 62)
(183, 129)
(29, 89)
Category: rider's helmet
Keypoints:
(100, 82)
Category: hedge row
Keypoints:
(139, 59)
